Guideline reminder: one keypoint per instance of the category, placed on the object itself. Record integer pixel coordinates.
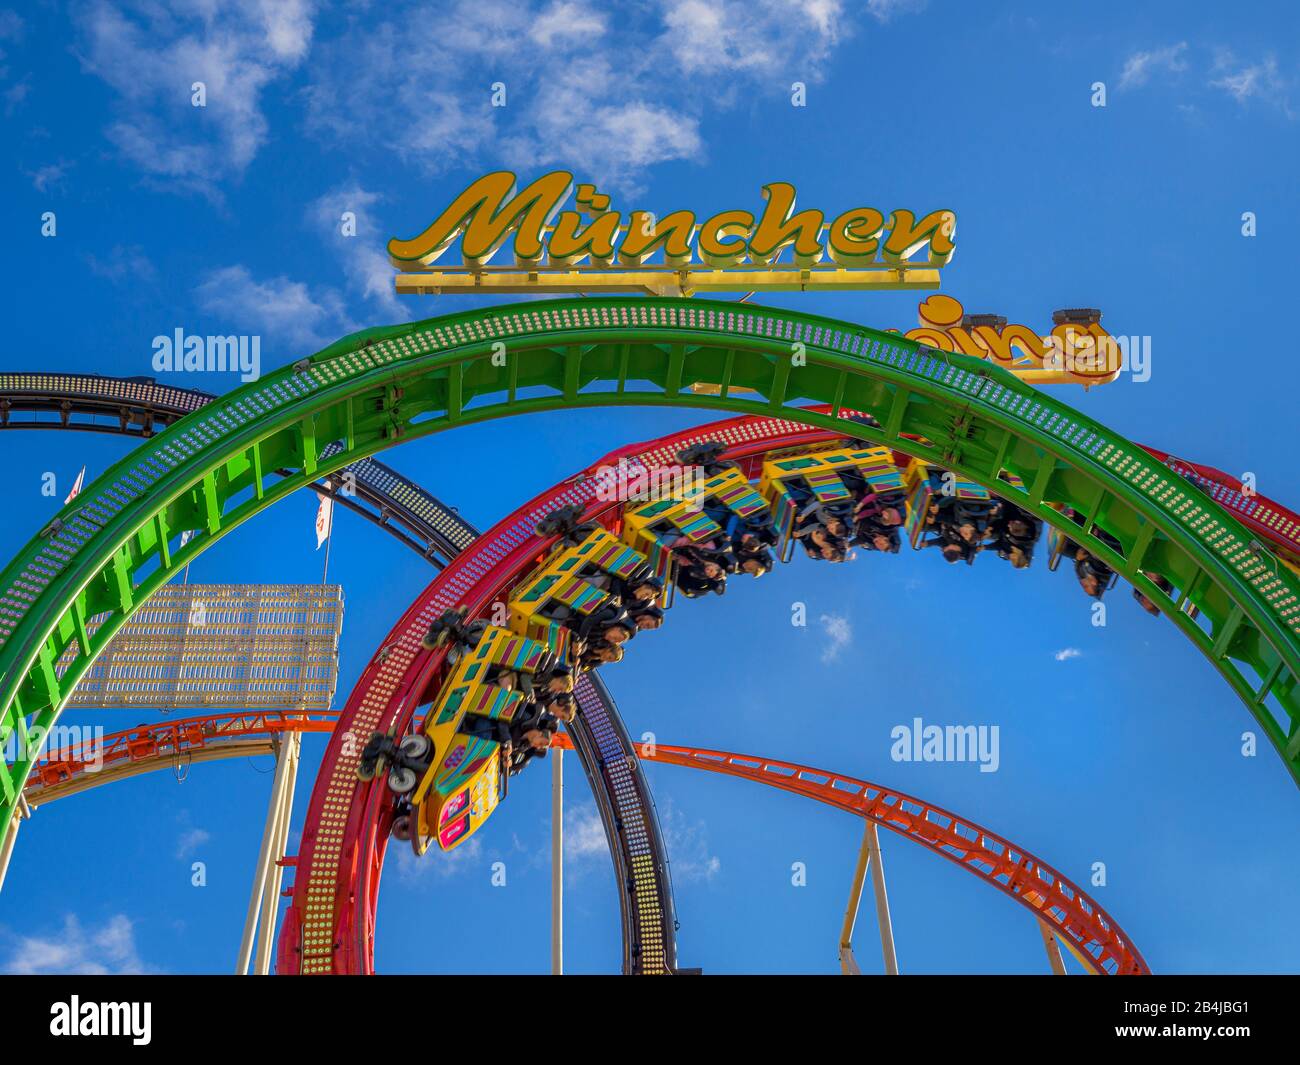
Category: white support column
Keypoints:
(557, 861)
(848, 963)
(271, 897)
(882, 901)
(266, 857)
(1053, 948)
(21, 813)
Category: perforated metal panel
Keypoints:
(232, 646)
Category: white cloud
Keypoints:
(363, 89)
(16, 94)
(122, 263)
(611, 141)
(1244, 82)
(109, 949)
(687, 842)
(190, 840)
(12, 30)
(584, 834)
(11, 25)
(564, 21)
(839, 634)
(438, 863)
(581, 90)
(1067, 653)
(368, 271)
(279, 309)
(50, 176)
(1140, 66)
(759, 37)
(884, 10)
(152, 54)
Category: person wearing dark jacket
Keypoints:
(876, 537)
(490, 728)
(531, 739)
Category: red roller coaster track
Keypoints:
(330, 924)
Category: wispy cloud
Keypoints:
(367, 269)
(441, 864)
(15, 94)
(584, 834)
(1067, 653)
(884, 10)
(124, 262)
(1252, 81)
(49, 177)
(11, 25)
(109, 949)
(1140, 66)
(687, 842)
(190, 840)
(285, 311)
(761, 38)
(839, 634)
(152, 53)
(609, 97)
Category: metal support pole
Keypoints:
(271, 897)
(882, 901)
(265, 859)
(848, 963)
(557, 861)
(21, 813)
(1053, 948)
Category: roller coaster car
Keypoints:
(825, 474)
(557, 591)
(451, 780)
(725, 494)
(925, 486)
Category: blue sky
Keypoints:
(222, 219)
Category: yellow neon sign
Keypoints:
(1076, 351)
(594, 248)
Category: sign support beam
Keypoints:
(557, 861)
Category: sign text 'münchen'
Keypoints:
(591, 247)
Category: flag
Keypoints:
(76, 486)
(324, 519)
(187, 536)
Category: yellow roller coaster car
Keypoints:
(823, 474)
(653, 526)
(451, 769)
(559, 590)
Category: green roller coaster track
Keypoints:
(121, 538)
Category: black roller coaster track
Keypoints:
(140, 407)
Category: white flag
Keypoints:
(76, 487)
(187, 536)
(324, 519)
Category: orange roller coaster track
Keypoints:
(163, 744)
(1076, 919)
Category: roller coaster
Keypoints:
(1213, 559)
